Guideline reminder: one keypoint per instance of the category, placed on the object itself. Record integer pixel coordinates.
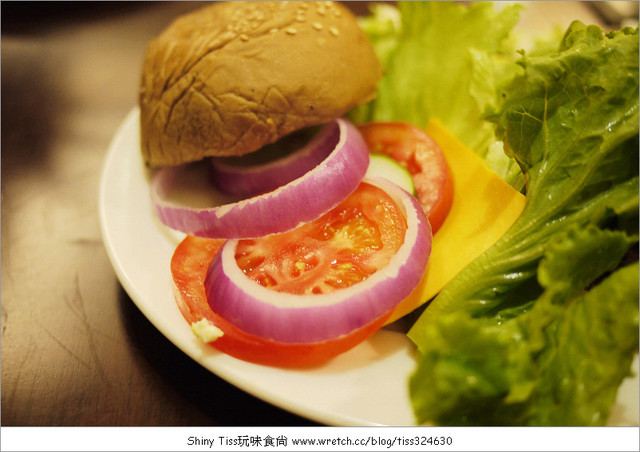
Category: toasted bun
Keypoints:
(233, 77)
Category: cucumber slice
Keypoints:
(381, 165)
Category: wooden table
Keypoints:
(76, 351)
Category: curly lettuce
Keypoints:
(541, 329)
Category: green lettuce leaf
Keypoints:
(571, 122)
(560, 363)
(443, 60)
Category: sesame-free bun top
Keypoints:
(232, 77)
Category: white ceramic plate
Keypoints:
(365, 386)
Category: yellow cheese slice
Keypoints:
(483, 208)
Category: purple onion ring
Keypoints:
(256, 179)
(291, 318)
(300, 201)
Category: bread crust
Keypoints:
(234, 76)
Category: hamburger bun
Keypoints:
(232, 77)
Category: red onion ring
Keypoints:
(290, 318)
(256, 179)
(300, 201)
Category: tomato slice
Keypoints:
(189, 266)
(343, 247)
(422, 157)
